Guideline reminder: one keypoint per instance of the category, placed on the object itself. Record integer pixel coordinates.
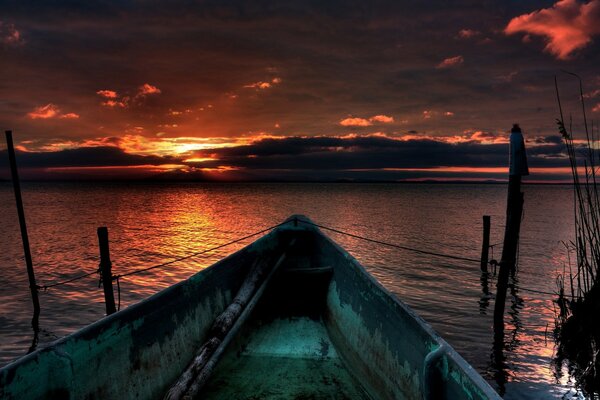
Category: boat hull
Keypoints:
(377, 347)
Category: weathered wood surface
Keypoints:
(224, 328)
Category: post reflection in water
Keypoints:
(484, 301)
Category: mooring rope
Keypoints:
(116, 277)
(138, 271)
(46, 287)
(397, 246)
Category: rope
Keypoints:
(397, 246)
(431, 253)
(137, 271)
(46, 287)
(117, 277)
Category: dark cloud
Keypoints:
(311, 158)
(82, 157)
(329, 153)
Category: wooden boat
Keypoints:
(316, 326)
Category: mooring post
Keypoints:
(514, 211)
(105, 270)
(485, 246)
(25, 238)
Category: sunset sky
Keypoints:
(282, 90)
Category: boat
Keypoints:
(290, 316)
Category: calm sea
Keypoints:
(150, 224)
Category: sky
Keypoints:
(292, 90)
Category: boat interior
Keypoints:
(284, 350)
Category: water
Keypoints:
(150, 224)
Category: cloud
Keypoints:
(264, 84)
(116, 103)
(376, 152)
(468, 33)
(50, 111)
(107, 94)
(148, 89)
(592, 94)
(258, 85)
(308, 158)
(596, 108)
(354, 121)
(87, 157)
(9, 35)
(382, 118)
(44, 112)
(567, 26)
(69, 116)
(451, 62)
(112, 99)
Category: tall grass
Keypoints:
(577, 332)
(583, 158)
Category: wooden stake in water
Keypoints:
(106, 270)
(514, 211)
(25, 238)
(485, 246)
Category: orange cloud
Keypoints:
(116, 103)
(109, 94)
(148, 89)
(567, 26)
(382, 118)
(451, 62)
(596, 108)
(112, 99)
(50, 111)
(264, 84)
(44, 112)
(353, 121)
(69, 116)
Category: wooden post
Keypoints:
(25, 238)
(514, 211)
(105, 270)
(485, 246)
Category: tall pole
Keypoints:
(514, 211)
(22, 224)
(485, 245)
(105, 270)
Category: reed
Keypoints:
(577, 334)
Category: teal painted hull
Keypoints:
(324, 328)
